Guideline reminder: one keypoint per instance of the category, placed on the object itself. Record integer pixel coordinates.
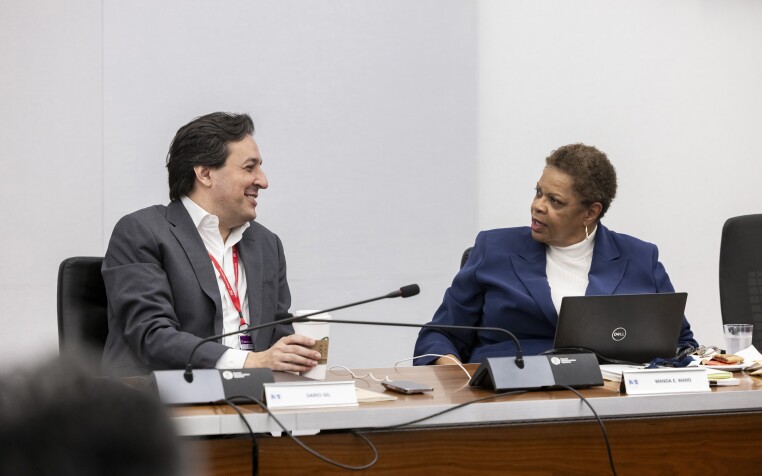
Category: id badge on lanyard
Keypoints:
(244, 340)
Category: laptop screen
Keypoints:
(622, 327)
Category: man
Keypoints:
(201, 266)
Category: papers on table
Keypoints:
(368, 396)
(752, 364)
(749, 354)
(720, 378)
(717, 374)
(613, 372)
(752, 360)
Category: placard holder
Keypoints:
(664, 380)
(312, 394)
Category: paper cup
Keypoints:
(320, 332)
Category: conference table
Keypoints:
(545, 432)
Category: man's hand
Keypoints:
(291, 353)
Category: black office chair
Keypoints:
(82, 308)
(464, 258)
(741, 273)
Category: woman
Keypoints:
(515, 278)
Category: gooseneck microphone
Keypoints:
(287, 318)
(499, 373)
(403, 292)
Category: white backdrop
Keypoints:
(361, 121)
(392, 131)
(670, 90)
(51, 151)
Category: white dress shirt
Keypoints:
(567, 269)
(208, 227)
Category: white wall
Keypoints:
(361, 119)
(51, 148)
(670, 90)
(367, 116)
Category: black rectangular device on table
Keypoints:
(210, 385)
(538, 372)
(633, 328)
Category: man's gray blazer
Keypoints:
(163, 296)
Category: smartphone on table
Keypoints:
(407, 387)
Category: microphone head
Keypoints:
(188, 374)
(409, 290)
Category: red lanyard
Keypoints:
(233, 293)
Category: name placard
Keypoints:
(654, 381)
(310, 394)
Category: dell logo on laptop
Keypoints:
(619, 333)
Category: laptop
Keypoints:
(634, 328)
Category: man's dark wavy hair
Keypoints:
(203, 141)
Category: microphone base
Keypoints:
(210, 385)
(540, 372)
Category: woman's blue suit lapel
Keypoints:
(529, 264)
(606, 271)
(608, 267)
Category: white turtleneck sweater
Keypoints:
(568, 267)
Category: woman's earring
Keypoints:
(587, 235)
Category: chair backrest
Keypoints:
(464, 258)
(82, 307)
(741, 273)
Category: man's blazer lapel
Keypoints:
(251, 256)
(188, 237)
